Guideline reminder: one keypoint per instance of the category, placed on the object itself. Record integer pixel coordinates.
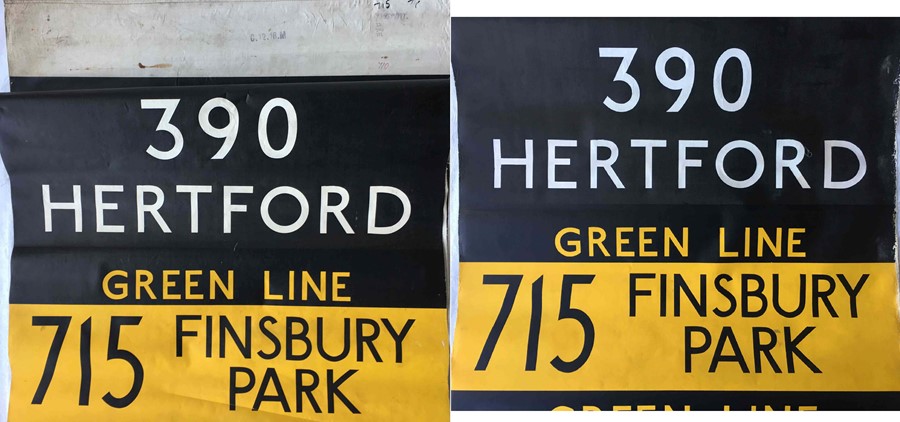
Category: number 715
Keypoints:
(114, 352)
(566, 311)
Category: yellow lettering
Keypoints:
(574, 244)
(746, 241)
(792, 241)
(168, 283)
(121, 287)
(216, 282)
(142, 283)
(191, 283)
(669, 239)
(722, 252)
(290, 285)
(267, 293)
(643, 240)
(337, 285)
(596, 236)
(764, 238)
(621, 241)
(309, 282)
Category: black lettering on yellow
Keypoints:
(719, 355)
(292, 336)
(732, 302)
(271, 377)
(276, 344)
(633, 291)
(181, 333)
(763, 340)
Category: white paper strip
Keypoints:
(227, 38)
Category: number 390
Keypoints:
(684, 84)
(227, 133)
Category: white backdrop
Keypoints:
(6, 238)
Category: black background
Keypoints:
(351, 134)
(812, 80)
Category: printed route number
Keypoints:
(566, 311)
(114, 352)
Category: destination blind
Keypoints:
(676, 214)
(228, 252)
